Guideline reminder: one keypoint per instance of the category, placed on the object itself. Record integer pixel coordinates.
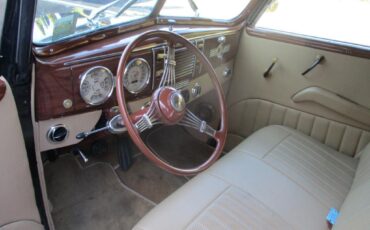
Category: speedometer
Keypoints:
(96, 85)
(137, 75)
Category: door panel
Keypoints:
(255, 101)
(17, 198)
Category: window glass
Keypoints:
(59, 19)
(2, 15)
(339, 20)
(222, 10)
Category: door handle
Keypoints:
(268, 70)
(318, 60)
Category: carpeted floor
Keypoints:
(99, 195)
(177, 147)
(91, 198)
(173, 144)
(150, 180)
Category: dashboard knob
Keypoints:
(196, 90)
(227, 72)
(67, 103)
(221, 39)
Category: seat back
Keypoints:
(18, 208)
(355, 211)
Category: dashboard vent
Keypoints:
(185, 63)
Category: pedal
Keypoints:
(82, 155)
(124, 152)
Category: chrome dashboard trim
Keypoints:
(144, 48)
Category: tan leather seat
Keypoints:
(278, 178)
(18, 208)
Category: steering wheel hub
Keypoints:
(170, 105)
(178, 101)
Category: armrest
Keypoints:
(334, 102)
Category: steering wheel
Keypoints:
(168, 106)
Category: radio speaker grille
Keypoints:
(185, 63)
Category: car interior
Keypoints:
(184, 114)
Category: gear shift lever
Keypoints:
(83, 135)
(115, 126)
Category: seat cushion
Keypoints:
(278, 178)
(355, 211)
(22, 225)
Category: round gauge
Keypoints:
(96, 85)
(136, 76)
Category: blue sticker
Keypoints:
(332, 216)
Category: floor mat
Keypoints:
(149, 180)
(92, 197)
(176, 146)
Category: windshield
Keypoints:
(57, 20)
(210, 9)
(60, 19)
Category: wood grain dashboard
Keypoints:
(57, 78)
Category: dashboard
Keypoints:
(83, 79)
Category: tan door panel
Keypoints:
(342, 75)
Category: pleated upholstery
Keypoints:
(278, 178)
(253, 114)
(235, 209)
(321, 172)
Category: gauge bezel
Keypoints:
(146, 82)
(84, 76)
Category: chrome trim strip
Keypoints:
(143, 48)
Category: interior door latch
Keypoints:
(269, 69)
(319, 59)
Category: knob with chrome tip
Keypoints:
(221, 39)
(114, 126)
(196, 90)
(171, 23)
(227, 72)
(83, 135)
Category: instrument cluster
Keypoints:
(97, 83)
(137, 75)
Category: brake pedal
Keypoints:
(124, 153)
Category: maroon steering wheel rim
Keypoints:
(220, 135)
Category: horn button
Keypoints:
(170, 104)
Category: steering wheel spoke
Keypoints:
(192, 121)
(146, 120)
(168, 77)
